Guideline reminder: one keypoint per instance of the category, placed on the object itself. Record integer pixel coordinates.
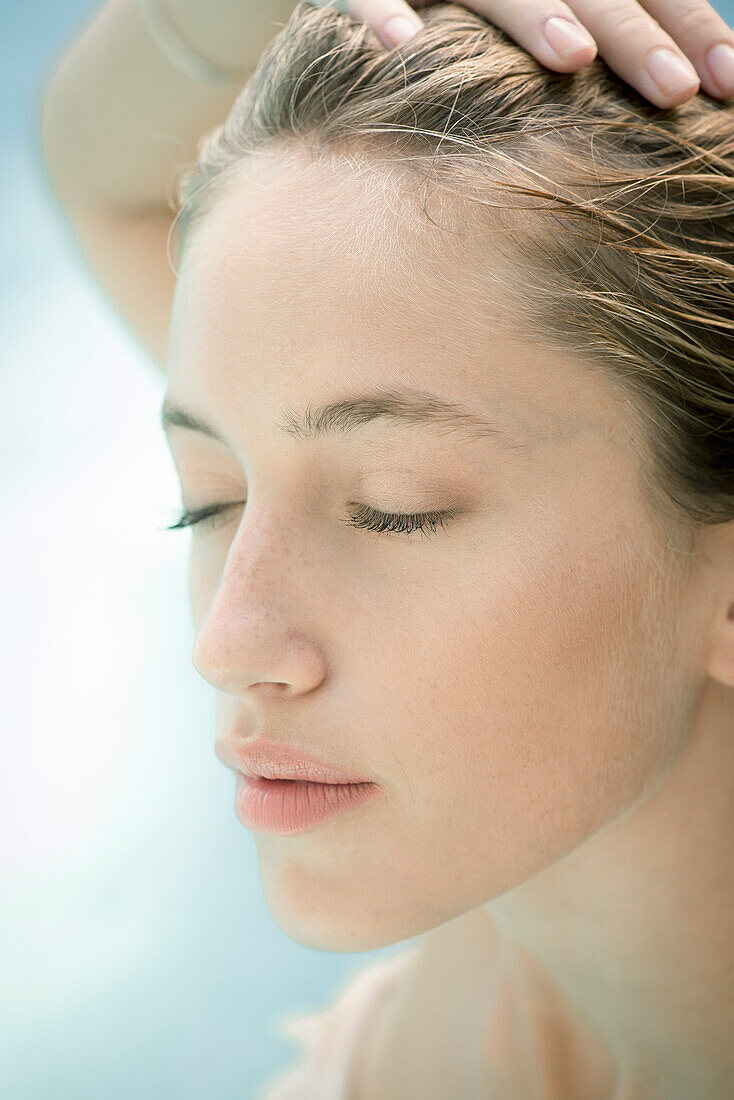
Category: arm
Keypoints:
(117, 121)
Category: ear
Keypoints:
(719, 556)
(721, 657)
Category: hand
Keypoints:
(628, 35)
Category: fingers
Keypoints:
(648, 53)
(393, 21)
(704, 37)
(548, 29)
(665, 49)
(634, 44)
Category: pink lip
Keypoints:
(276, 760)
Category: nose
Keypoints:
(254, 639)
(244, 661)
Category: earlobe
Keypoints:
(721, 658)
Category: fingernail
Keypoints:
(721, 66)
(671, 73)
(565, 37)
(398, 29)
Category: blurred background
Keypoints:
(137, 956)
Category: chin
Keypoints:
(329, 937)
(332, 929)
(336, 920)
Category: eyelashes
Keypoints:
(401, 522)
(362, 517)
(202, 515)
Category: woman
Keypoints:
(459, 331)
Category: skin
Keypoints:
(543, 689)
(626, 34)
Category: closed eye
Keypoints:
(362, 516)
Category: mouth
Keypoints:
(282, 807)
(267, 759)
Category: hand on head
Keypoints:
(668, 52)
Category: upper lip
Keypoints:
(276, 760)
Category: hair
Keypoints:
(626, 237)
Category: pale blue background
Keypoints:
(137, 956)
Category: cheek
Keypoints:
(547, 712)
(207, 557)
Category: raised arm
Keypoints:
(117, 120)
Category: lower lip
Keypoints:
(285, 806)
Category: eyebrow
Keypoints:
(352, 412)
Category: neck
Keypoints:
(633, 929)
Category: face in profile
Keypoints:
(514, 676)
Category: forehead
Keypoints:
(317, 272)
(319, 226)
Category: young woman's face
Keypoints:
(513, 680)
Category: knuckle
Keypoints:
(625, 21)
(694, 18)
